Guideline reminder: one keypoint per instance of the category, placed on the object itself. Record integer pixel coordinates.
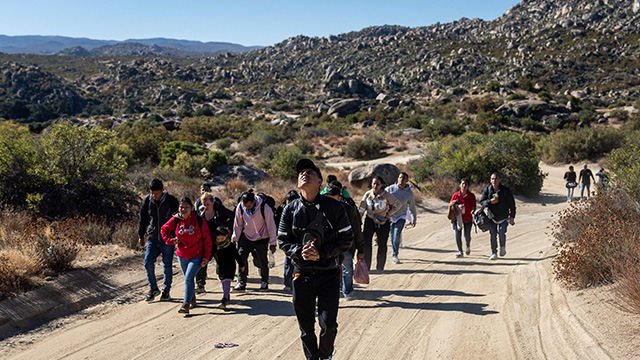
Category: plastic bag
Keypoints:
(361, 273)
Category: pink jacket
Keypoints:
(254, 226)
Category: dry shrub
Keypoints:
(443, 189)
(236, 185)
(95, 230)
(125, 234)
(180, 189)
(16, 271)
(595, 239)
(276, 187)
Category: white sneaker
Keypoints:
(468, 250)
(395, 260)
(493, 256)
(459, 254)
(503, 251)
(347, 296)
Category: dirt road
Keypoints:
(430, 306)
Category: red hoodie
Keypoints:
(194, 241)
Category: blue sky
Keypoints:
(244, 22)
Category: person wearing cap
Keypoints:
(401, 190)
(330, 180)
(315, 232)
(585, 181)
(334, 191)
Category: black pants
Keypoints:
(245, 246)
(325, 287)
(370, 227)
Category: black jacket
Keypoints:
(506, 206)
(154, 214)
(356, 225)
(337, 237)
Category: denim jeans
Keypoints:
(154, 249)
(189, 268)
(467, 234)
(347, 272)
(396, 235)
(585, 186)
(499, 230)
(570, 193)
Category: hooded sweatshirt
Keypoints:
(195, 241)
(254, 226)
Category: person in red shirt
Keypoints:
(188, 230)
(465, 202)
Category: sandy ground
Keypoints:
(430, 306)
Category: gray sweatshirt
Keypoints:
(405, 196)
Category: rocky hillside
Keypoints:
(589, 48)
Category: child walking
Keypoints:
(226, 256)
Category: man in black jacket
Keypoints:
(501, 210)
(315, 231)
(157, 208)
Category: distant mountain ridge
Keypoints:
(49, 45)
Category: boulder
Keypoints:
(521, 108)
(251, 175)
(344, 107)
(363, 175)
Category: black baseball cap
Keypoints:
(334, 190)
(307, 164)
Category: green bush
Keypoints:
(224, 143)
(283, 164)
(172, 149)
(566, 146)
(69, 171)
(624, 164)
(544, 96)
(368, 147)
(516, 96)
(189, 165)
(143, 139)
(215, 159)
(475, 157)
(493, 86)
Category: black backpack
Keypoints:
(481, 220)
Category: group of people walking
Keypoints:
(320, 233)
(583, 181)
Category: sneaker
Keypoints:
(223, 303)
(165, 296)
(239, 288)
(193, 302)
(287, 288)
(200, 289)
(493, 256)
(347, 296)
(459, 254)
(468, 250)
(503, 251)
(264, 286)
(395, 260)
(152, 294)
(184, 309)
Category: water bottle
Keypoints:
(272, 260)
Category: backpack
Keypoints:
(481, 220)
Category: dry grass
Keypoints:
(95, 231)
(125, 234)
(443, 189)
